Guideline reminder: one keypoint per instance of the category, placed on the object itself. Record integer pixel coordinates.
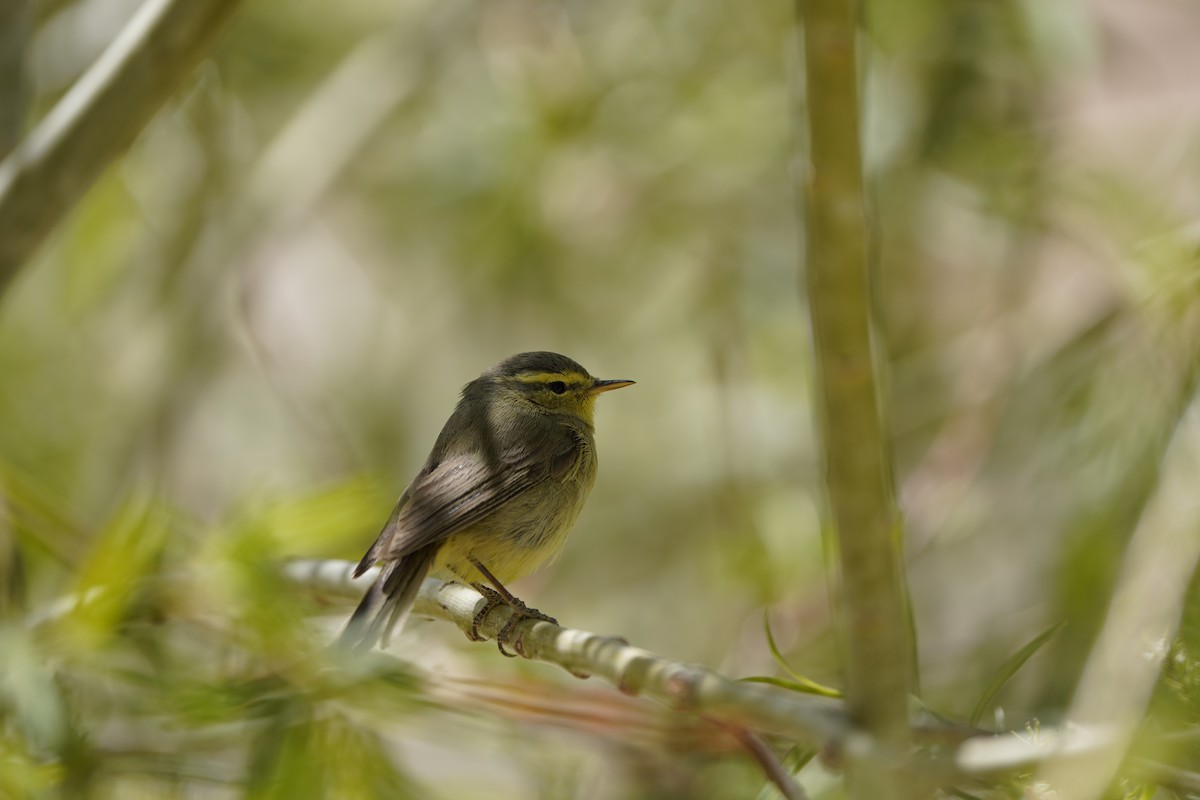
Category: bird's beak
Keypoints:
(608, 386)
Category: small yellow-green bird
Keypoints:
(506, 479)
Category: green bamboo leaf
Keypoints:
(799, 683)
(1009, 668)
(35, 517)
(779, 659)
(1144, 791)
(803, 685)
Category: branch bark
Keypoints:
(99, 118)
(864, 525)
(961, 754)
(771, 766)
(634, 671)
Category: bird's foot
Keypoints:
(520, 613)
(492, 599)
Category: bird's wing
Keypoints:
(463, 488)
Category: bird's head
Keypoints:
(551, 382)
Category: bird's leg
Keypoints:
(492, 598)
(508, 597)
(495, 595)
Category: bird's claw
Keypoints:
(520, 613)
(492, 599)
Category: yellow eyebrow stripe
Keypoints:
(570, 378)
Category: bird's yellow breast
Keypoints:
(525, 533)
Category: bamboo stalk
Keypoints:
(863, 523)
(99, 118)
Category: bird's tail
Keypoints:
(388, 601)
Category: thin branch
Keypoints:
(1143, 614)
(865, 526)
(767, 762)
(820, 721)
(631, 669)
(962, 754)
(99, 118)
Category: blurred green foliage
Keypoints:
(242, 344)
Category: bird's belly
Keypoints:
(515, 540)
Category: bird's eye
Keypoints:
(558, 387)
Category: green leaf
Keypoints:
(1009, 668)
(799, 683)
(802, 685)
(124, 557)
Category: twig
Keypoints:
(767, 761)
(99, 118)
(819, 721)
(631, 669)
(865, 526)
(1122, 670)
(811, 720)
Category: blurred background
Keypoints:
(241, 346)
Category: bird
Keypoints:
(504, 483)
